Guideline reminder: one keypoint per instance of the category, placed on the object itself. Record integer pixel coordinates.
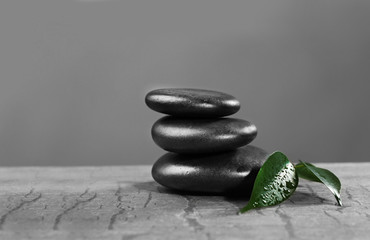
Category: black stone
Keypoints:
(229, 173)
(194, 136)
(186, 102)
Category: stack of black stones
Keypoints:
(208, 153)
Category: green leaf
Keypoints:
(321, 175)
(275, 182)
(304, 172)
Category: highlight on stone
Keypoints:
(192, 103)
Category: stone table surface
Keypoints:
(124, 202)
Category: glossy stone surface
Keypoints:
(230, 172)
(202, 135)
(186, 102)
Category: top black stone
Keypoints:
(187, 102)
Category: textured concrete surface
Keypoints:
(125, 203)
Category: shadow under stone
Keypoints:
(147, 186)
(297, 199)
(152, 186)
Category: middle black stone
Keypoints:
(193, 136)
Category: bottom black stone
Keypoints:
(228, 173)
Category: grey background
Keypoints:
(73, 75)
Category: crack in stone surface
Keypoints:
(342, 224)
(148, 200)
(113, 219)
(78, 202)
(189, 214)
(341, 209)
(122, 210)
(332, 217)
(287, 220)
(19, 206)
(350, 197)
